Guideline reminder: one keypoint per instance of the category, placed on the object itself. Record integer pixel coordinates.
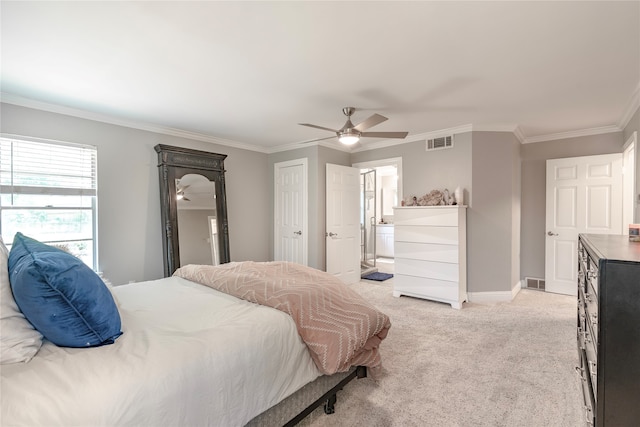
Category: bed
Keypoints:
(190, 354)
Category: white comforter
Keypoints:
(189, 356)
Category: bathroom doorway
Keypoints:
(368, 218)
(381, 191)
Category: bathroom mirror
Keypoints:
(193, 207)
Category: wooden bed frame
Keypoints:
(300, 404)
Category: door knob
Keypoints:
(330, 234)
(550, 233)
(299, 233)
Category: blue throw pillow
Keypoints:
(61, 296)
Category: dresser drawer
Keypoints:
(427, 251)
(591, 314)
(591, 365)
(587, 390)
(424, 287)
(428, 269)
(582, 322)
(592, 276)
(438, 235)
(582, 277)
(433, 216)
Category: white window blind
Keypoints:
(48, 192)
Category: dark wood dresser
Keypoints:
(609, 329)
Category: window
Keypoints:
(48, 191)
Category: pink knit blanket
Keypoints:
(339, 327)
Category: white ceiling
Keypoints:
(247, 72)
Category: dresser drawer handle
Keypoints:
(588, 415)
(580, 372)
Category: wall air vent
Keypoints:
(440, 143)
(534, 283)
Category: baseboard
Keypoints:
(495, 296)
(516, 288)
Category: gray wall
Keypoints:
(492, 228)
(486, 164)
(423, 171)
(129, 234)
(534, 166)
(195, 245)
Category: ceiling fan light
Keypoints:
(347, 139)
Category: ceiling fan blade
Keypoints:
(370, 122)
(385, 134)
(318, 127)
(318, 139)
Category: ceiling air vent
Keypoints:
(440, 143)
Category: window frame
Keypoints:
(62, 191)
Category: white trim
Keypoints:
(88, 115)
(629, 194)
(489, 297)
(46, 141)
(493, 296)
(631, 140)
(298, 145)
(519, 134)
(634, 104)
(305, 205)
(516, 289)
(632, 107)
(573, 134)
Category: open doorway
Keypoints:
(368, 215)
(381, 191)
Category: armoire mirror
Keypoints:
(193, 207)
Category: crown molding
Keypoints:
(298, 145)
(632, 107)
(514, 129)
(83, 114)
(572, 134)
(519, 134)
(413, 138)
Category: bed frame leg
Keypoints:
(329, 406)
(361, 372)
(329, 398)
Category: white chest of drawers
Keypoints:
(431, 253)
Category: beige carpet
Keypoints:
(506, 364)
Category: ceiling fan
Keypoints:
(180, 191)
(350, 134)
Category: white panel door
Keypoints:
(584, 195)
(290, 216)
(343, 222)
